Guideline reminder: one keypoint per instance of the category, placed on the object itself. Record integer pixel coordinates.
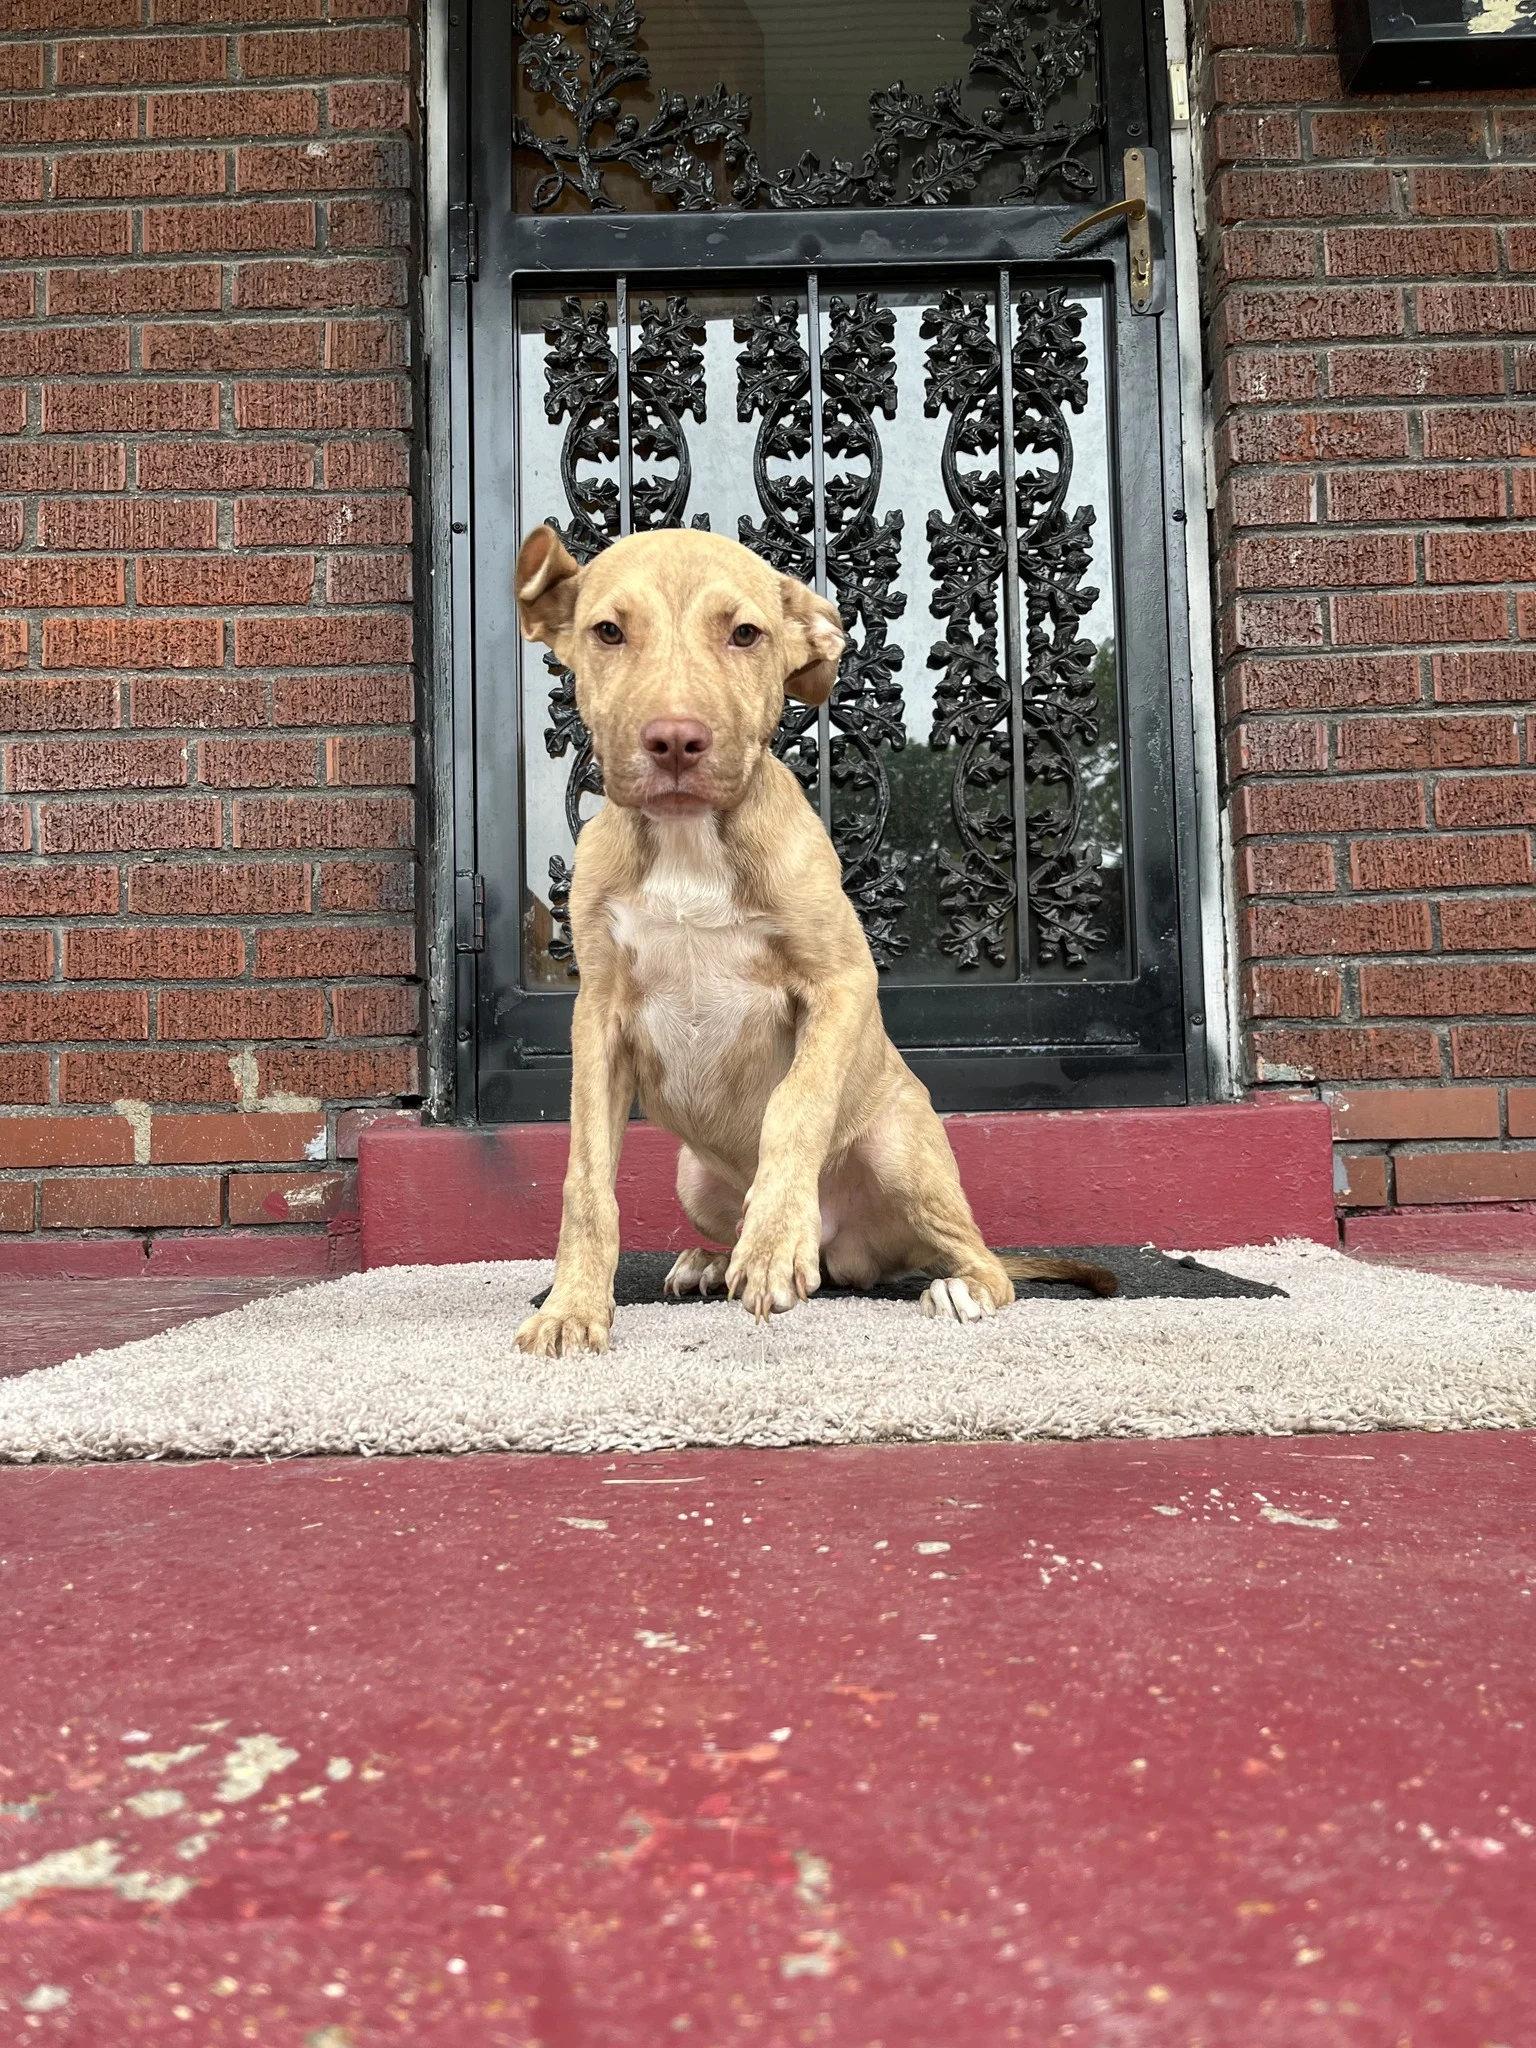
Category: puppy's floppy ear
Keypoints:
(545, 581)
(815, 640)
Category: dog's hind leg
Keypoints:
(713, 1207)
(903, 1210)
(926, 1212)
(917, 1215)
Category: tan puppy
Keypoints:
(725, 978)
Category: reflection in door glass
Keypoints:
(696, 104)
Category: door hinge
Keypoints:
(463, 241)
(469, 913)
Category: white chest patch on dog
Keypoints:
(693, 952)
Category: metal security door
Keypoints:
(671, 317)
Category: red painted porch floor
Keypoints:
(1113, 1744)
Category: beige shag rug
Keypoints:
(420, 1358)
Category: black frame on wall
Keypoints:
(1059, 1043)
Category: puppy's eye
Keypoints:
(746, 636)
(611, 634)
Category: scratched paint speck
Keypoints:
(83, 1869)
(1270, 1514)
(819, 1959)
(253, 1760)
(46, 1998)
(152, 1805)
(162, 1760)
(814, 1879)
(93, 1866)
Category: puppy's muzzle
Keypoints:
(676, 751)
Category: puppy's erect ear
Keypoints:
(816, 639)
(545, 581)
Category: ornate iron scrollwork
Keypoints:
(968, 558)
(858, 380)
(927, 150)
(1059, 697)
(773, 384)
(581, 386)
(862, 561)
(666, 381)
(666, 153)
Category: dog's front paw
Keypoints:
(777, 1260)
(560, 1328)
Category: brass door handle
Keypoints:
(1131, 209)
(1135, 210)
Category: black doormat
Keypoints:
(1141, 1273)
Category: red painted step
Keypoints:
(210, 1255)
(1196, 1178)
(1428, 1233)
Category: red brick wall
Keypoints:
(1371, 299)
(207, 940)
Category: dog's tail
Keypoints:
(1078, 1271)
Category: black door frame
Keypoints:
(490, 249)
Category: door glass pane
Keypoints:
(702, 103)
(971, 674)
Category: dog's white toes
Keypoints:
(954, 1300)
(936, 1302)
(696, 1272)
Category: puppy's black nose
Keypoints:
(677, 743)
